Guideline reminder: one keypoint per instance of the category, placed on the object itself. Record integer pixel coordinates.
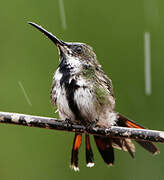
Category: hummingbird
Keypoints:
(83, 94)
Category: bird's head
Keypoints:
(77, 54)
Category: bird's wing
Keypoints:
(104, 79)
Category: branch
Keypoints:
(52, 123)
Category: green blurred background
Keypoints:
(27, 61)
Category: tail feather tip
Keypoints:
(110, 164)
(156, 152)
(75, 168)
(90, 164)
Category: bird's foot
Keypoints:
(69, 122)
(92, 125)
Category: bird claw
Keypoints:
(69, 122)
(91, 125)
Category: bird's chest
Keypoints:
(75, 99)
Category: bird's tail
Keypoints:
(106, 145)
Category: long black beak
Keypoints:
(48, 34)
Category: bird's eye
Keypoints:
(78, 49)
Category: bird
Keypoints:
(84, 95)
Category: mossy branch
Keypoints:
(52, 123)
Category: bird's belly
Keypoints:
(85, 100)
(79, 106)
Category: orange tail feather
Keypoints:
(125, 122)
(75, 151)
